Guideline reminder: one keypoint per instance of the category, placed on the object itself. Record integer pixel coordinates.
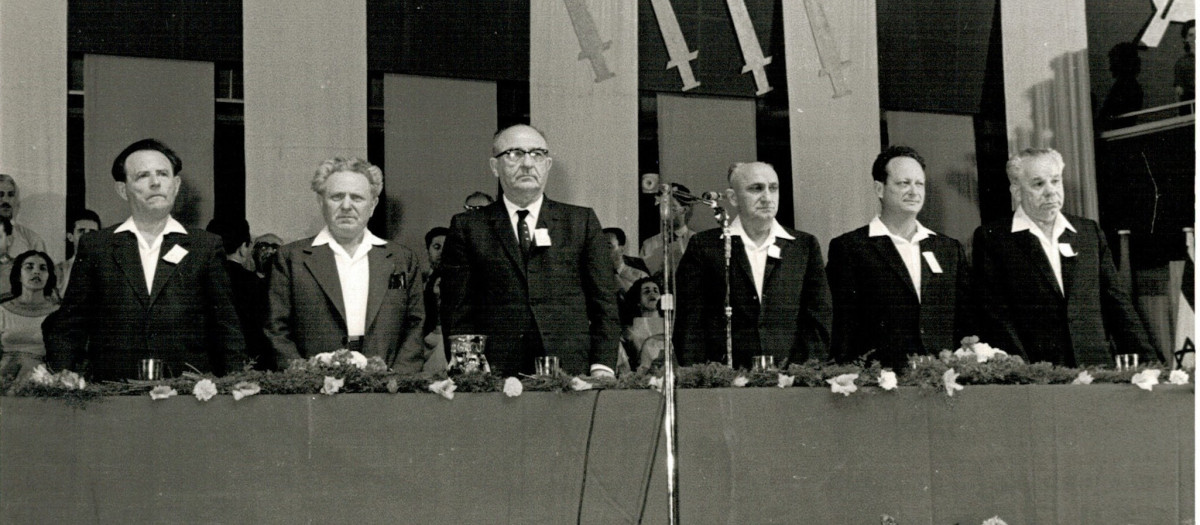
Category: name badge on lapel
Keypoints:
(175, 254)
(397, 281)
(773, 251)
(932, 262)
(1066, 250)
(541, 237)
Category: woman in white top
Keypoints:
(33, 284)
(643, 337)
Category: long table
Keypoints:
(1030, 454)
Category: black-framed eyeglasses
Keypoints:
(516, 155)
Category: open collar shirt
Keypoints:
(148, 250)
(1050, 246)
(354, 274)
(756, 253)
(909, 250)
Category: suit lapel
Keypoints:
(1040, 263)
(886, 250)
(502, 229)
(548, 218)
(320, 263)
(380, 263)
(126, 256)
(1068, 263)
(164, 270)
(740, 261)
(772, 263)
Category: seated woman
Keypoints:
(643, 338)
(33, 284)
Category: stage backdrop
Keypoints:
(33, 96)
(588, 109)
(947, 143)
(439, 137)
(1046, 91)
(128, 99)
(832, 51)
(305, 66)
(698, 138)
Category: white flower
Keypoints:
(1146, 379)
(42, 376)
(579, 384)
(332, 385)
(1178, 377)
(513, 387)
(949, 379)
(740, 381)
(71, 380)
(162, 392)
(205, 389)
(358, 360)
(1084, 378)
(243, 389)
(843, 384)
(786, 380)
(984, 352)
(656, 383)
(325, 358)
(994, 520)
(444, 388)
(964, 352)
(887, 380)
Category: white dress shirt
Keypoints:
(148, 251)
(354, 274)
(534, 208)
(757, 254)
(1022, 222)
(910, 251)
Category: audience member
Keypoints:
(477, 200)
(148, 287)
(1125, 95)
(1185, 67)
(680, 235)
(777, 288)
(898, 287)
(642, 336)
(21, 316)
(628, 269)
(1047, 284)
(79, 222)
(246, 292)
(22, 238)
(265, 248)
(532, 274)
(345, 287)
(435, 240)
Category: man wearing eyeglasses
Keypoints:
(530, 273)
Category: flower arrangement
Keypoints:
(344, 371)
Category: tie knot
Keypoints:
(521, 214)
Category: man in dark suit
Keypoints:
(148, 287)
(1048, 287)
(345, 287)
(248, 297)
(777, 287)
(532, 274)
(898, 287)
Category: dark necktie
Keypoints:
(523, 232)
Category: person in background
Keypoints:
(477, 200)
(628, 269)
(248, 299)
(1185, 67)
(532, 274)
(22, 238)
(147, 287)
(680, 235)
(79, 222)
(435, 240)
(346, 287)
(1048, 290)
(21, 316)
(777, 288)
(642, 337)
(898, 287)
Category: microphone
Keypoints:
(664, 204)
(711, 196)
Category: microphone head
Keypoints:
(649, 182)
(711, 195)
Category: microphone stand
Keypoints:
(667, 303)
(722, 217)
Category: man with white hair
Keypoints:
(23, 238)
(1047, 286)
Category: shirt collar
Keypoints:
(369, 239)
(878, 229)
(777, 232)
(172, 226)
(534, 207)
(1022, 222)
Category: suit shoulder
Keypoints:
(802, 237)
(853, 236)
(295, 247)
(399, 250)
(995, 227)
(204, 237)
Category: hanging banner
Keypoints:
(751, 50)
(591, 46)
(677, 49)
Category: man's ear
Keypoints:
(120, 185)
(731, 197)
(878, 189)
(492, 163)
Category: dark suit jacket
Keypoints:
(306, 315)
(565, 291)
(1022, 311)
(875, 306)
(109, 321)
(250, 301)
(636, 263)
(791, 322)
